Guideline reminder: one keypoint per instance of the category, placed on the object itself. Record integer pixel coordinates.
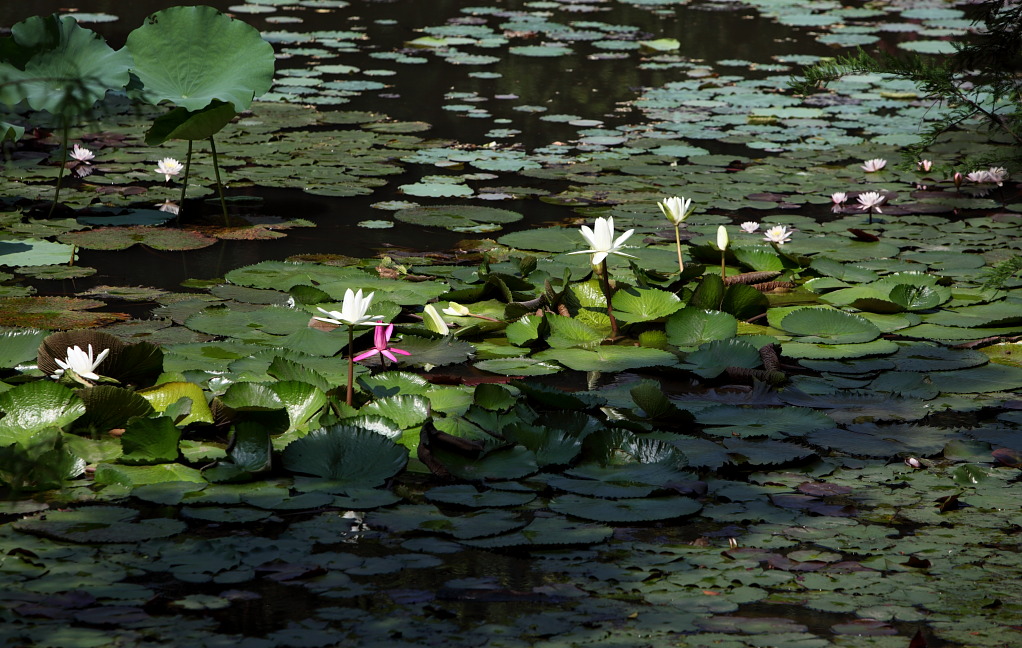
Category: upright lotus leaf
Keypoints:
(36, 406)
(162, 397)
(53, 64)
(18, 346)
(191, 56)
(185, 124)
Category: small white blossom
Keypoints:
(870, 200)
(169, 167)
(779, 234)
(874, 165)
(353, 311)
(80, 362)
(602, 241)
(722, 238)
(81, 154)
(676, 209)
(839, 197)
(749, 227)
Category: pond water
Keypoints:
(828, 461)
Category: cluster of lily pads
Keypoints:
(557, 436)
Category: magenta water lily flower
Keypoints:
(381, 342)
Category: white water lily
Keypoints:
(433, 321)
(81, 154)
(838, 197)
(779, 234)
(601, 240)
(676, 209)
(169, 167)
(80, 362)
(749, 227)
(870, 200)
(722, 238)
(874, 165)
(456, 310)
(353, 311)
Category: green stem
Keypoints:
(608, 295)
(63, 164)
(184, 182)
(219, 185)
(351, 364)
(723, 272)
(677, 243)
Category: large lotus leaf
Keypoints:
(609, 358)
(122, 238)
(33, 252)
(53, 313)
(347, 455)
(69, 67)
(18, 346)
(644, 304)
(185, 124)
(150, 440)
(100, 524)
(713, 358)
(545, 531)
(455, 216)
(191, 56)
(829, 326)
(644, 509)
(108, 407)
(36, 406)
(692, 327)
(301, 400)
(746, 422)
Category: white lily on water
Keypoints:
(602, 242)
(82, 363)
(353, 311)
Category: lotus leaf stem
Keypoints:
(60, 173)
(220, 185)
(184, 182)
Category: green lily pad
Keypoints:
(346, 455)
(608, 358)
(100, 524)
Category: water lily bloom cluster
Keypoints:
(874, 165)
(169, 167)
(993, 175)
(601, 240)
(381, 345)
(82, 363)
(779, 234)
(924, 165)
(749, 227)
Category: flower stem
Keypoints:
(677, 243)
(723, 271)
(63, 163)
(351, 365)
(608, 295)
(184, 182)
(219, 184)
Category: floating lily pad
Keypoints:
(121, 238)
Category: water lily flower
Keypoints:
(456, 310)
(169, 167)
(997, 175)
(81, 154)
(722, 238)
(749, 227)
(602, 241)
(913, 462)
(433, 320)
(381, 342)
(676, 209)
(870, 200)
(353, 311)
(978, 177)
(924, 165)
(779, 234)
(874, 165)
(80, 362)
(839, 197)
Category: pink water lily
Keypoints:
(381, 340)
